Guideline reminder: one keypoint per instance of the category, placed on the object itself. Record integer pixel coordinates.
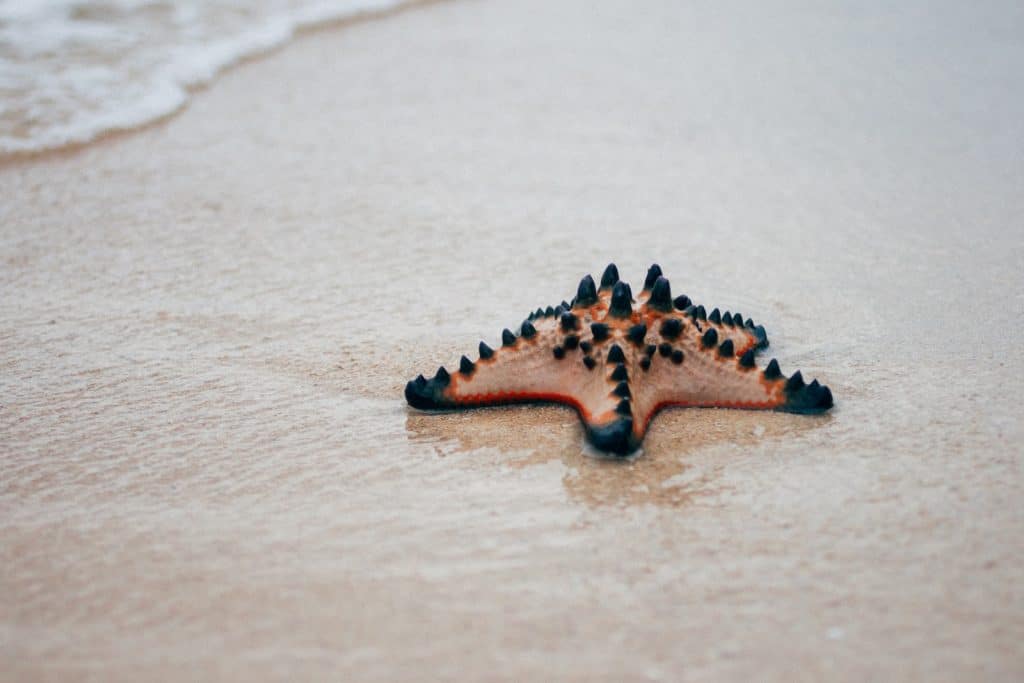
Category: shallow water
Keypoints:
(207, 469)
(72, 70)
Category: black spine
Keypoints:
(661, 295)
(586, 293)
(671, 328)
(710, 337)
(637, 333)
(610, 276)
(653, 273)
(622, 301)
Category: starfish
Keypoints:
(618, 362)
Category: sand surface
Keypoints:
(207, 468)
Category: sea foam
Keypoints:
(72, 70)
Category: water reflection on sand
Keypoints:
(660, 474)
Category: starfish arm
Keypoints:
(745, 336)
(548, 361)
(701, 367)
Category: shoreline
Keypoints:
(338, 24)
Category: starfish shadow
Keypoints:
(684, 458)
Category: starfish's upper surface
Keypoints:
(619, 361)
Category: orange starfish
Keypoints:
(619, 362)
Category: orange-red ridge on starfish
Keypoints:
(620, 361)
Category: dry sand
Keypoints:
(207, 469)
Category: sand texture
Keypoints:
(207, 468)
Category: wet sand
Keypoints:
(207, 468)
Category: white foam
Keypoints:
(71, 71)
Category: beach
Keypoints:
(208, 470)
